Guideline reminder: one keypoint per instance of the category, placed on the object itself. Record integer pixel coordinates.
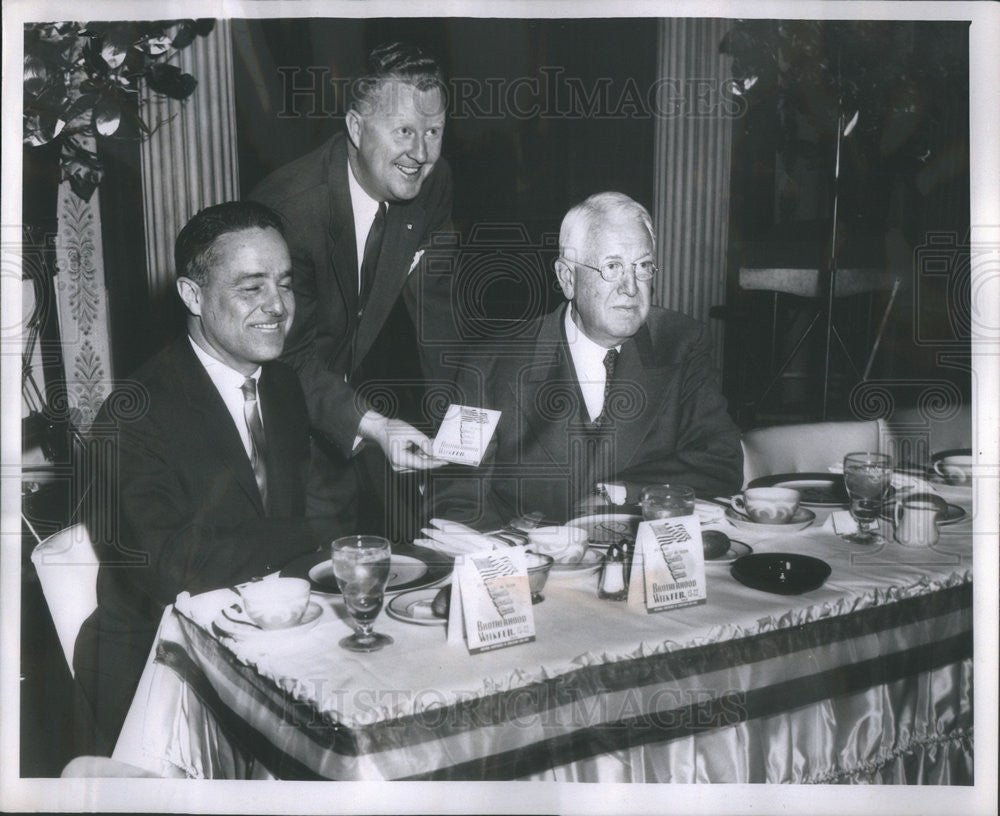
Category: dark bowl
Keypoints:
(781, 573)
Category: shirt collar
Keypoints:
(364, 205)
(578, 341)
(221, 374)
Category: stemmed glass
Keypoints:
(361, 567)
(867, 477)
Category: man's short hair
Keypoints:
(193, 255)
(585, 217)
(400, 61)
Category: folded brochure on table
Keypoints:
(465, 433)
(668, 565)
(491, 600)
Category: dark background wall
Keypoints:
(538, 121)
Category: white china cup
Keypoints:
(955, 469)
(768, 505)
(276, 603)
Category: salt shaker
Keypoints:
(613, 585)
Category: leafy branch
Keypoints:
(82, 83)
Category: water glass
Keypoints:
(361, 567)
(867, 477)
(666, 501)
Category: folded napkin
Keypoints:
(454, 538)
(840, 522)
(707, 512)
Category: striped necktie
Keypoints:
(610, 361)
(258, 448)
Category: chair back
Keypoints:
(808, 447)
(67, 563)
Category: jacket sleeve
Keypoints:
(173, 533)
(708, 455)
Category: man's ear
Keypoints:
(190, 293)
(566, 276)
(354, 123)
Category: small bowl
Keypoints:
(565, 544)
(538, 573)
(276, 603)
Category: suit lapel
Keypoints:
(548, 394)
(211, 420)
(280, 475)
(342, 239)
(638, 391)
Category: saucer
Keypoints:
(236, 624)
(802, 519)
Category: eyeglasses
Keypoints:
(612, 271)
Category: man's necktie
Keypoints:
(373, 246)
(258, 448)
(610, 361)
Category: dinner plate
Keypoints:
(415, 607)
(410, 568)
(737, 549)
(233, 622)
(605, 528)
(781, 573)
(803, 518)
(816, 489)
(952, 515)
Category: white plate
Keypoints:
(415, 607)
(802, 519)
(405, 572)
(233, 622)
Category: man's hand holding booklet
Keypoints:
(465, 433)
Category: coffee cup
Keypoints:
(275, 603)
(916, 520)
(768, 505)
(954, 467)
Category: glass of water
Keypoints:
(666, 501)
(867, 477)
(361, 567)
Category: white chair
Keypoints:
(808, 447)
(67, 563)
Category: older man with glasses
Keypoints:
(611, 394)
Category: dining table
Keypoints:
(865, 679)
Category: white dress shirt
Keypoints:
(588, 360)
(365, 207)
(229, 382)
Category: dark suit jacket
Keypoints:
(331, 335)
(174, 506)
(668, 424)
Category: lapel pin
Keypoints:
(409, 226)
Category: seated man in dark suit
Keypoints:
(603, 396)
(200, 459)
